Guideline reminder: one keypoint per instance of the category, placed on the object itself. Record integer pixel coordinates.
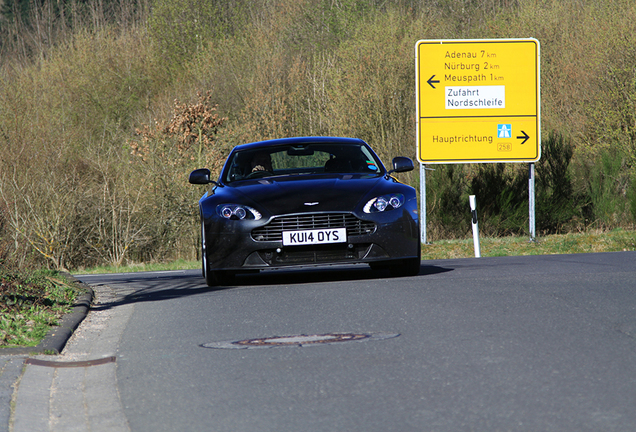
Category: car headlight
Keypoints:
(384, 203)
(237, 212)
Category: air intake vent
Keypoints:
(274, 230)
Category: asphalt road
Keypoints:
(542, 343)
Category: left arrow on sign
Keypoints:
(431, 81)
(525, 137)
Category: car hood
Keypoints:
(284, 195)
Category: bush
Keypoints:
(166, 216)
(74, 88)
(607, 183)
(447, 202)
(631, 197)
(502, 194)
(557, 207)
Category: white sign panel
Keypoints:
(476, 97)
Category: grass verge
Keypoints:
(142, 267)
(617, 240)
(30, 304)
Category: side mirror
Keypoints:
(200, 176)
(402, 164)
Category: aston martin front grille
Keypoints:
(273, 231)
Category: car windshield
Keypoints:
(316, 158)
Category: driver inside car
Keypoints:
(261, 161)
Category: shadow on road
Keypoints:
(151, 287)
(317, 275)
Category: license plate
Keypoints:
(319, 236)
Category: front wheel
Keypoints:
(216, 277)
(406, 267)
(398, 268)
(204, 257)
(402, 267)
(212, 277)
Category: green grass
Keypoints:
(612, 241)
(142, 267)
(30, 304)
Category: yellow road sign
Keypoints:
(478, 100)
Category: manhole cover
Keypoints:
(299, 340)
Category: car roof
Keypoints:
(298, 141)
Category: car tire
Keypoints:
(212, 277)
(215, 278)
(204, 257)
(408, 266)
(400, 268)
(405, 267)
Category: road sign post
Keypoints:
(478, 101)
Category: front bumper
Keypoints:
(234, 246)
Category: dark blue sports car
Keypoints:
(307, 201)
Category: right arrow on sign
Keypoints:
(524, 137)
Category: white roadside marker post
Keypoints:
(473, 210)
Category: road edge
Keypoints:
(56, 338)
